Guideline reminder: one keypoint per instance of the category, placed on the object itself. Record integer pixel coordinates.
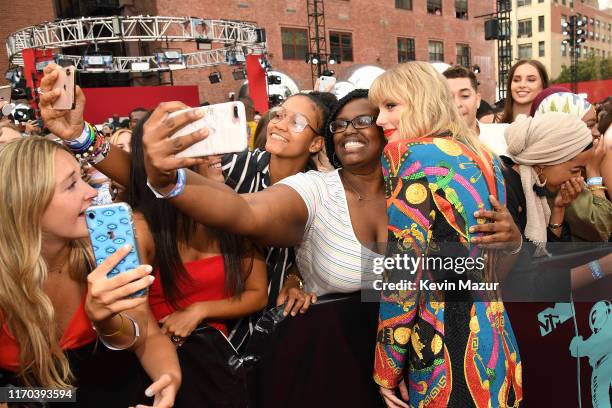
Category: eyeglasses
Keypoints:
(360, 122)
(297, 121)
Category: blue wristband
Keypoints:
(178, 189)
(595, 181)
(595, 268)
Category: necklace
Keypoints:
(354, 190)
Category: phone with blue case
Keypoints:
(111, 227)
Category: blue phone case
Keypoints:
(111, 227)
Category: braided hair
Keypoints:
(329, 136)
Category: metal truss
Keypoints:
(90, 30)
(200, 59)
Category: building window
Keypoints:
(523, 3)
(341, 44)
(541, 49)
(540, 23)
(436, 51)
(461, 9)
(405, 50)
(463, 55)
(295, 43)
(563, 50)
(434, 7)
(403, 4)
(524, 28)
(540, 1)
(564, 2)
(524, 51)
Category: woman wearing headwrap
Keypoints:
(590, 215)
(547, 154)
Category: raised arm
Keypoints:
(276, 216)
(69, 124)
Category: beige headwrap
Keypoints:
(548, 139)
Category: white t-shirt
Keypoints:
(492, 135)
(330, 258)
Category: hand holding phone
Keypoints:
(111, 227)
(326, 83)
(66, 84)
(227, 130)
(108, 297)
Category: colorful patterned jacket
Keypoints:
(451, 353)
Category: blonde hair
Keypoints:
(430, 108)
(27, 185)
(115, 136)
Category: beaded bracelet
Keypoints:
(91, 146)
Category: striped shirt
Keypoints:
(330, 258)
(248, 172)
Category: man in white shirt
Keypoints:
(464, 88)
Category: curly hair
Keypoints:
(329, 136)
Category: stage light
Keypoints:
(205, 45)
(98, 63)
(274, 80)
(140, 66)
(215, 77)
(239, 74)
(170, 58)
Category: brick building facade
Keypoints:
(379, 32)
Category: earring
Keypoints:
(539, 173)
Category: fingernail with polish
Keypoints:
(149, 392)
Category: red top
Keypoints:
(206, 282)
(78, 333)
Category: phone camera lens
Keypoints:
(236, 112)
(91, 216)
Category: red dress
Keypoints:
(206, 281)
(78, 333)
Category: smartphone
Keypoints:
(326, 83)
(5, 93)
(66, 83)
(111, 227)
(227, 130)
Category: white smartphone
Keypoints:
(326, 83)
(66, 83)
(5, 93)
(227, 130)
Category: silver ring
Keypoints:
(40, 92)
(176, 339)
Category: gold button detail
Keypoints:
(416, 193)
(401, 335)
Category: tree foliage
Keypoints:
(590, 68)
